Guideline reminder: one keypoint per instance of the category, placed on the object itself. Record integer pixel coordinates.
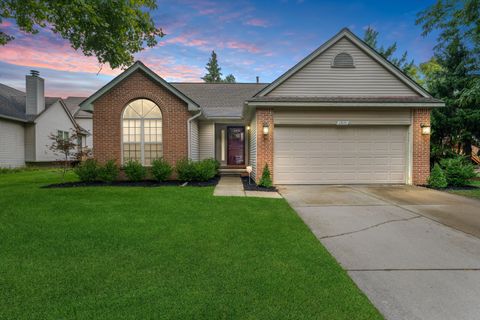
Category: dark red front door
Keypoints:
(236, 145)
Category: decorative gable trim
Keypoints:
(87, 105)
(346, 33)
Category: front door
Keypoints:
(235, 146)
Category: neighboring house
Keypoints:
(342, 115)
(28, 118)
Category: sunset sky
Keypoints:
(251, 38)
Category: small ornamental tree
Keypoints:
(64, 145)
(437, 177)
(266, 180)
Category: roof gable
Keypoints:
(87, 105)
(371, 74)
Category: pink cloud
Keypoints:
(187, 41)
(243, 46)
(6, 24)
(257, 23)
(52, 56)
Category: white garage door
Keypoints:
(340, 155)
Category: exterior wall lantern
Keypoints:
(426, 129)
(265, 128)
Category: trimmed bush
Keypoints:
(206, 169)
(458, 171)
(266, 180)
(134, 170)
(87, 171)
(437, 178)
(188, 170)
(161, 169)
(185, 169)
(109, 172)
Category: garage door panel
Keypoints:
(367, 154)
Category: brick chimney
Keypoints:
(35, 87)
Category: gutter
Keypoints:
(189, 132)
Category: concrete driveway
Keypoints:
(415, 252)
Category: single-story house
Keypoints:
(28, 118)
(343, 114)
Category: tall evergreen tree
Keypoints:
(214, 73)
(402, 62)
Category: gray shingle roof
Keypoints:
(363, 99)
(220, 99)
(12, 103)
(73, 105)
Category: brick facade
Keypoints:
(264, 142)
(107, 117)
(421, 147)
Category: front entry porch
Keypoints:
(231, 147)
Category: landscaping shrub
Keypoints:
(161, 169)
(188, 170)
(206, 169)
(458, 171)
(109, 172)
(437, 177)
(134, 170)
(87, 171)
(266, 180)
(185, 169)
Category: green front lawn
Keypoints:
(473, 193)
(161, 253)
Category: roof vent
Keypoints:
(343, 60)
(34, 73)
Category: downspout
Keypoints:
(189, 131)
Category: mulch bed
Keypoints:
(455, 188)
(145, 183)
(252, 186)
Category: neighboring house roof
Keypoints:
(346, 33)
(13, 106)
(220, 100)
(73, 105)
(87, 105)
(13, 101)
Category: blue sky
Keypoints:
(251, 38)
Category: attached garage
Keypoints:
(312, 149)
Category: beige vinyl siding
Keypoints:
(340, 155)
(12, 139)
(367, 78)
(253, 146)
(206, 134)
(331, 116)
(194, 152)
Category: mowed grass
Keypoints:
(472, 193)
(161, 253)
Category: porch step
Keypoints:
(230, 171)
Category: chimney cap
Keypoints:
(34, 73)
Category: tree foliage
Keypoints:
(65, 147)
(214, 72)
(111, 30)
(453, 75)
(402, 62)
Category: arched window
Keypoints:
(142, 132)
(343, 60)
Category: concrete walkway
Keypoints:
(413, 251)
(232, 186)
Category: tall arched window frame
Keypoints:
(142, 132)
